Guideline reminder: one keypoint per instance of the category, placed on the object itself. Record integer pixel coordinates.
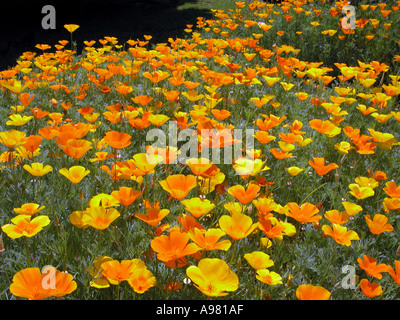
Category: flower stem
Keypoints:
(27, 252)
(233, 251)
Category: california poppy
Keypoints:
(311, 292)
(371, 267)
(126, 195)
(119, 271)
(370, 289)
(117, 140)
(29, 209)
(173, 249)
(198, 206)
(319, 166)
(237, 225)
(37, 169)
(209, 240)
(179, 185)
(99, 217)
(378, 224)
(303, 213)
(269, 277)
(213, 277)
(28, 283)
(258, 260)
(244, 195)
(153, 215)
(24, 225)
(75, 174)
(340, 234)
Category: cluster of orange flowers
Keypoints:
(100, 105)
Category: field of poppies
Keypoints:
(256, 158)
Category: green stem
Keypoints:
(233, 251)
(27, 252)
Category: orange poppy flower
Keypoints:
(237, 225)
(173, 249)
(39, 113)
(310, 292)
(325, 127)
(243, 195)
(29, 283)
(98, 217)
(370, 266)
(392, 190)
(126, 195)
(76, 148)
(378, 224)
(188, 222)
(179, 185)
(395, 274)
(307, 212)
(370, 289)
(208, 240)
(153, 215)
(32, 143)
(340, 234)
(319, 166)
(336, 217)
(119, 271)
(142, 280)
(221, 114)
(24, 225)
(275, 229)
(117, 140)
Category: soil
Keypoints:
(21, 23)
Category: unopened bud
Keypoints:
(398, 251)
(56, 221)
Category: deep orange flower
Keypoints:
(153, 215)
(307, 212)
(119, 271)
(208, 240)
(392, 190)
(310, 292)
(76, 148)
(30, 283)
(126, 195)
(117, 140)
(179, 185)
(244, 195)
(319, 166)
(378, 224)
(370, 266)
(173, 249)
(395, 274)
(370, 289)
(340, 234)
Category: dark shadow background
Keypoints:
(21, 23)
